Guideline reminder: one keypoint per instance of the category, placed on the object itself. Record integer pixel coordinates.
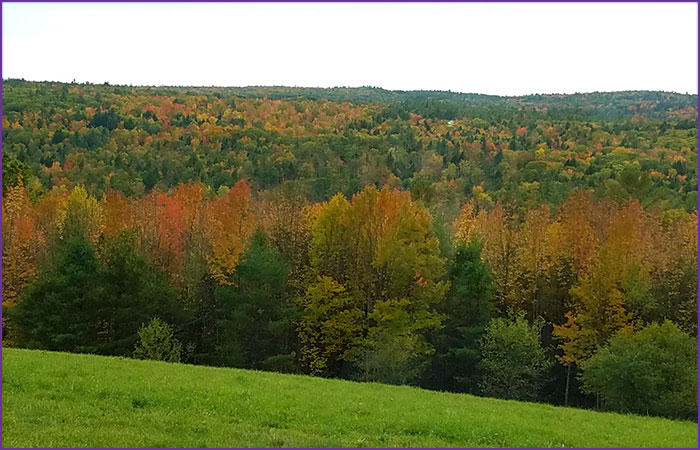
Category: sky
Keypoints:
(502, 49)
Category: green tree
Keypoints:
(14, 172)
(393, 357)
(53, 314)
(256, 321)
(468, 308)
(82, 303)
(131, 291)
(653, 371)
(513, 361)
(636, 183)
(109, 119)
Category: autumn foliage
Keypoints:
(406, 242)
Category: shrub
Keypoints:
(156, 342)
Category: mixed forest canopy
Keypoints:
(540, 247)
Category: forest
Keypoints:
(539, 248)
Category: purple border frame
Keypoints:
(321, 1)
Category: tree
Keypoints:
(599, 307)
(653, 371)
(256, 322)
(329, 328)
(172, 227)
(468, 307)
(675, 286)
(131, 290)
(284, 216)
(14, 172)
(20, 248)
(535, 258)
(635, 182)
(82, 216)
(572, 344)
(497, 232)
(109, 119)
(156, 342)
(576, 214)
(82, 303)
(381, 250)
(393, 358)
(53, 313)
(512, 359)
(229, 224)
(115, 207)
(329, 239)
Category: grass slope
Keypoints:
(57, 400)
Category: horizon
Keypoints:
(164, 86)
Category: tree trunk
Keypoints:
(566, 391)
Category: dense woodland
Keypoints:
(538, 248)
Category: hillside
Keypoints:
(319, 142)
(55, 399)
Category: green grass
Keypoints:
(60, 399)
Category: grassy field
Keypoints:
(58, 400)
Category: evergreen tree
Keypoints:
(80, 303)
(468, 309)
(54, 313)
(132, 291)
(255, 320)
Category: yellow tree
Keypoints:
(633, 239)
(575, 215)
(20, 246)
(284, 218)
(534, 255)
(330, 327)
(143, 216)
(379, 247)
(191, 198)
(464, 224)
(575, 344)
(674, 284)
(229, 224)
(82, 216)
(328, 248)
(115, 207)
(48, 207)
(599, 304)
(500, 253)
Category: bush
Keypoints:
(156, 342)
(392, 358)
(651, 372)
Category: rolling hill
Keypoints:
(60, 399)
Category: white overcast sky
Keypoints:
(506, 48)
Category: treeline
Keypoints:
(613, 105)
(591, 303)
(133, 140)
